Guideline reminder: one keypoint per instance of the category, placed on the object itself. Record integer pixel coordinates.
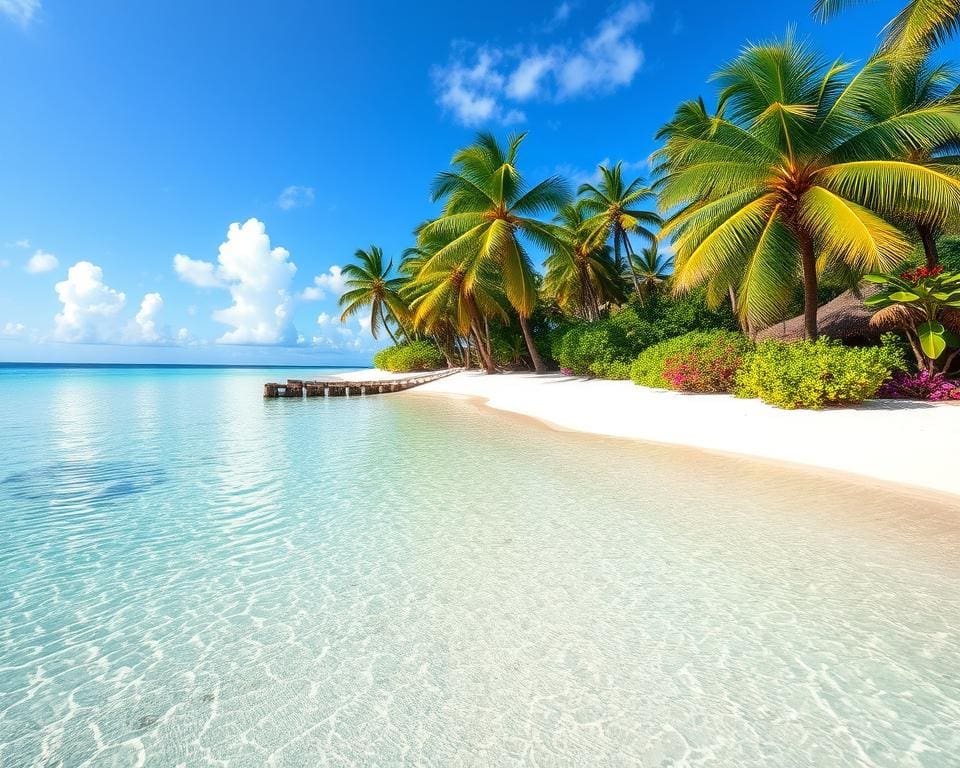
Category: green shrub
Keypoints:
(603, 348)
(700, 349)
(670, 316)
(412, 356)
(808, 374)
(615, 369)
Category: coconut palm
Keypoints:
(915, 86)
(488, 214)
(440, 301)
(793, 174)
(921, 25)
(580, 274)
(614, 211)
(652, 268)
(370, 284)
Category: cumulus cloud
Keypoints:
(196, 272)
(41, 261)
(332, 281)
(90, 307)
(295, 197)
(145, 329)
(20, 11)
(258, 278)
(479, 82)
(13, 329)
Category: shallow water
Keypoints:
(192, 575)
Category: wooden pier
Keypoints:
(344, 388)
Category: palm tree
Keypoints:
(920, 26)
(793, 171)
(370, 284)
(652, 268)
(488, 213)
(580, 274)
(614, 210)
(918, 85)
(440, 301)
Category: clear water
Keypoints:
(191, 575)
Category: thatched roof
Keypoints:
(844, 318)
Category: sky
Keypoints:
(182, 181)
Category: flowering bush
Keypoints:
(711, 369)
(695, 362)
(566, 371)
(920, 386)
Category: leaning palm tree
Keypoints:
(614, 210)
(370, 284)
(920, 26)
(793, 175)
(488, 213)
(440, 300)
(652, 268)
(580, 274)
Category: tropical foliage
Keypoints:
(419, 355)
(808, 177)
(699, 361)
(815, 374)
(795, 175)
(925, 305)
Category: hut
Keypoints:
(845, 318)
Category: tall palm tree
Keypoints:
(488, 213)
(370, 284)
(652, 268)
(614, 210)
(918, 85)
(793, 171)
(920, 26)
(580, 274)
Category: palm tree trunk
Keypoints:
(633, 269)
(929, 245)
(538, 365)
(386, 325)
(485, 358)
(808, 263)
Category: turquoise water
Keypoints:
(191, 575)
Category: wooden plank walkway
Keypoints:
(344, 388)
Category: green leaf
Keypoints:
(904, 296)
(879, 301)
(951, 338)
(878, 279)
(931, 339)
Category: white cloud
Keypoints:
(13, 329)
(144, 328)
(196, 272)
(323, 319)
(332, 281)
(472, 91)
(607, 60)
(295, 197)
(479, 81)
(90, 307)
(258, 278)
(41, 261)
(22, 243)
(525, 82)
(20, 11)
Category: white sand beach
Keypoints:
(880, 439)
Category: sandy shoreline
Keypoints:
(905, 443)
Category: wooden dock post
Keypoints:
(342, 387)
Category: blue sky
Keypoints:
(181, 180)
